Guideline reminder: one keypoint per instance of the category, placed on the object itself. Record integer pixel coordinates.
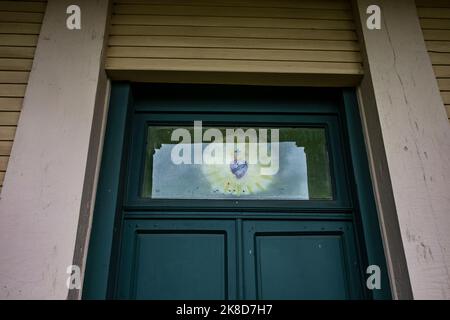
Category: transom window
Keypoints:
(235, 162)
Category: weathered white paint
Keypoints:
(407, 133)
(42, 195)
(416, 136)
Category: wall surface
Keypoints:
(409, 147)
(46, 202)
(42, 198)
(261, 41)
(20, 23)
(435, 22)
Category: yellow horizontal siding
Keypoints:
(3, 162)
(29, 17)
(230, 11)
(222, 36)
(236, 32)
(7, 133)
(235, 54)
(5, 148)
(312, 24)
(20, 23)
(434, 18)
(305, 4)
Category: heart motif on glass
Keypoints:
(239, 168)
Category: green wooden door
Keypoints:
(178, 259)
(162, 231)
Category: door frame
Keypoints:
(106, 229)
(341, 199)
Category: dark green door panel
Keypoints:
(300, 260)
(177, 259)
(145, 248)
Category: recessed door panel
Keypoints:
(177, 260)
(300, 260)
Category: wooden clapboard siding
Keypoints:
(311, 40)
(434, 18)
(20, 23)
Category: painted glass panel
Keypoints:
(236, 163)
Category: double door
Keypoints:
(238, 259)
(189, 228)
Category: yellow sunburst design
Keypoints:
(224, 181)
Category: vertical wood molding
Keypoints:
(42, 194)
(409, 146)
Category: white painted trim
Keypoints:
(91, 181)
(409, 143)
(42, 195)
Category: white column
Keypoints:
(55, 146)
(399, 94)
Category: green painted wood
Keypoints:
(301, 260)
(98, 265)
(268, 249)
(366, 212)
(235, 99)
(178, 117)
(178, 259)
